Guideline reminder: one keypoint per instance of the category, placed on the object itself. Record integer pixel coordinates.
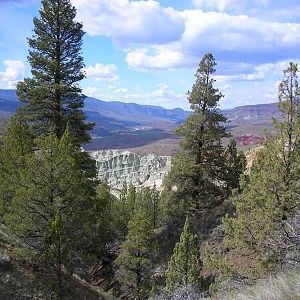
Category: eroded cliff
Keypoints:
(120, 167)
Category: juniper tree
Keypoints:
(271, 196)
(52, 96)
(17, 144)
(184, 266)
(134, 260)
(196, 176)
(56, 255)
(48, 201)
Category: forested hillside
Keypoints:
(216, 230)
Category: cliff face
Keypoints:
(131, 168)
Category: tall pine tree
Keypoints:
(123, 210)
(197, 175)
(52, 96)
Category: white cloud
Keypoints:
(102, 72)
(156, 37)
(163, 58)
(13, 72)
(259, 86)
(260, 72)
(229, 38)
(130, 22)
(263, 9)
(235, 5)
(250, 39)
(220, 5)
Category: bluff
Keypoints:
(120, 167)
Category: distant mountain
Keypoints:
(113, 116)
(125, 125)
(8, 102)
(253, 113)
(8, 95)
(129, 111)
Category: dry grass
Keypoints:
(285, 286)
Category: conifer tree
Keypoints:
(184, 266)
(52, 97)
(123, 210)
(47, 205)
(56, 255)
(271, 195)
(99, 228)
(134, 260)
(235, 166)
(17, 144)
(195, 179)
(148, 201)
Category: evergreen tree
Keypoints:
(3, 129)
(56, 254)
(235, 166)
(135, 257)
(48, 200)
(271, 195)
(52, 96)
(17, 144)
(123, 210)
(148, 201)
(98, 230)
(184, 266)
(195, 179)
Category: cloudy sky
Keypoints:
(147, 51)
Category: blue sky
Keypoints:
(147, 51)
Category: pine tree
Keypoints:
(99, 229)
(195, 179)
(3, 129)
(134, 260)
(184, 266)
(271, 195)
(148, 201)
(52, 96)
(47, 205)
(123, 210)
(17, 144)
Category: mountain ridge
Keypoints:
(120, 125)
(125, 111)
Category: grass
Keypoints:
(285, 286)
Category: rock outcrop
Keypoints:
(120, 167)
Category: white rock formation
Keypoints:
(121, 167)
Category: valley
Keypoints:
(147, 129)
